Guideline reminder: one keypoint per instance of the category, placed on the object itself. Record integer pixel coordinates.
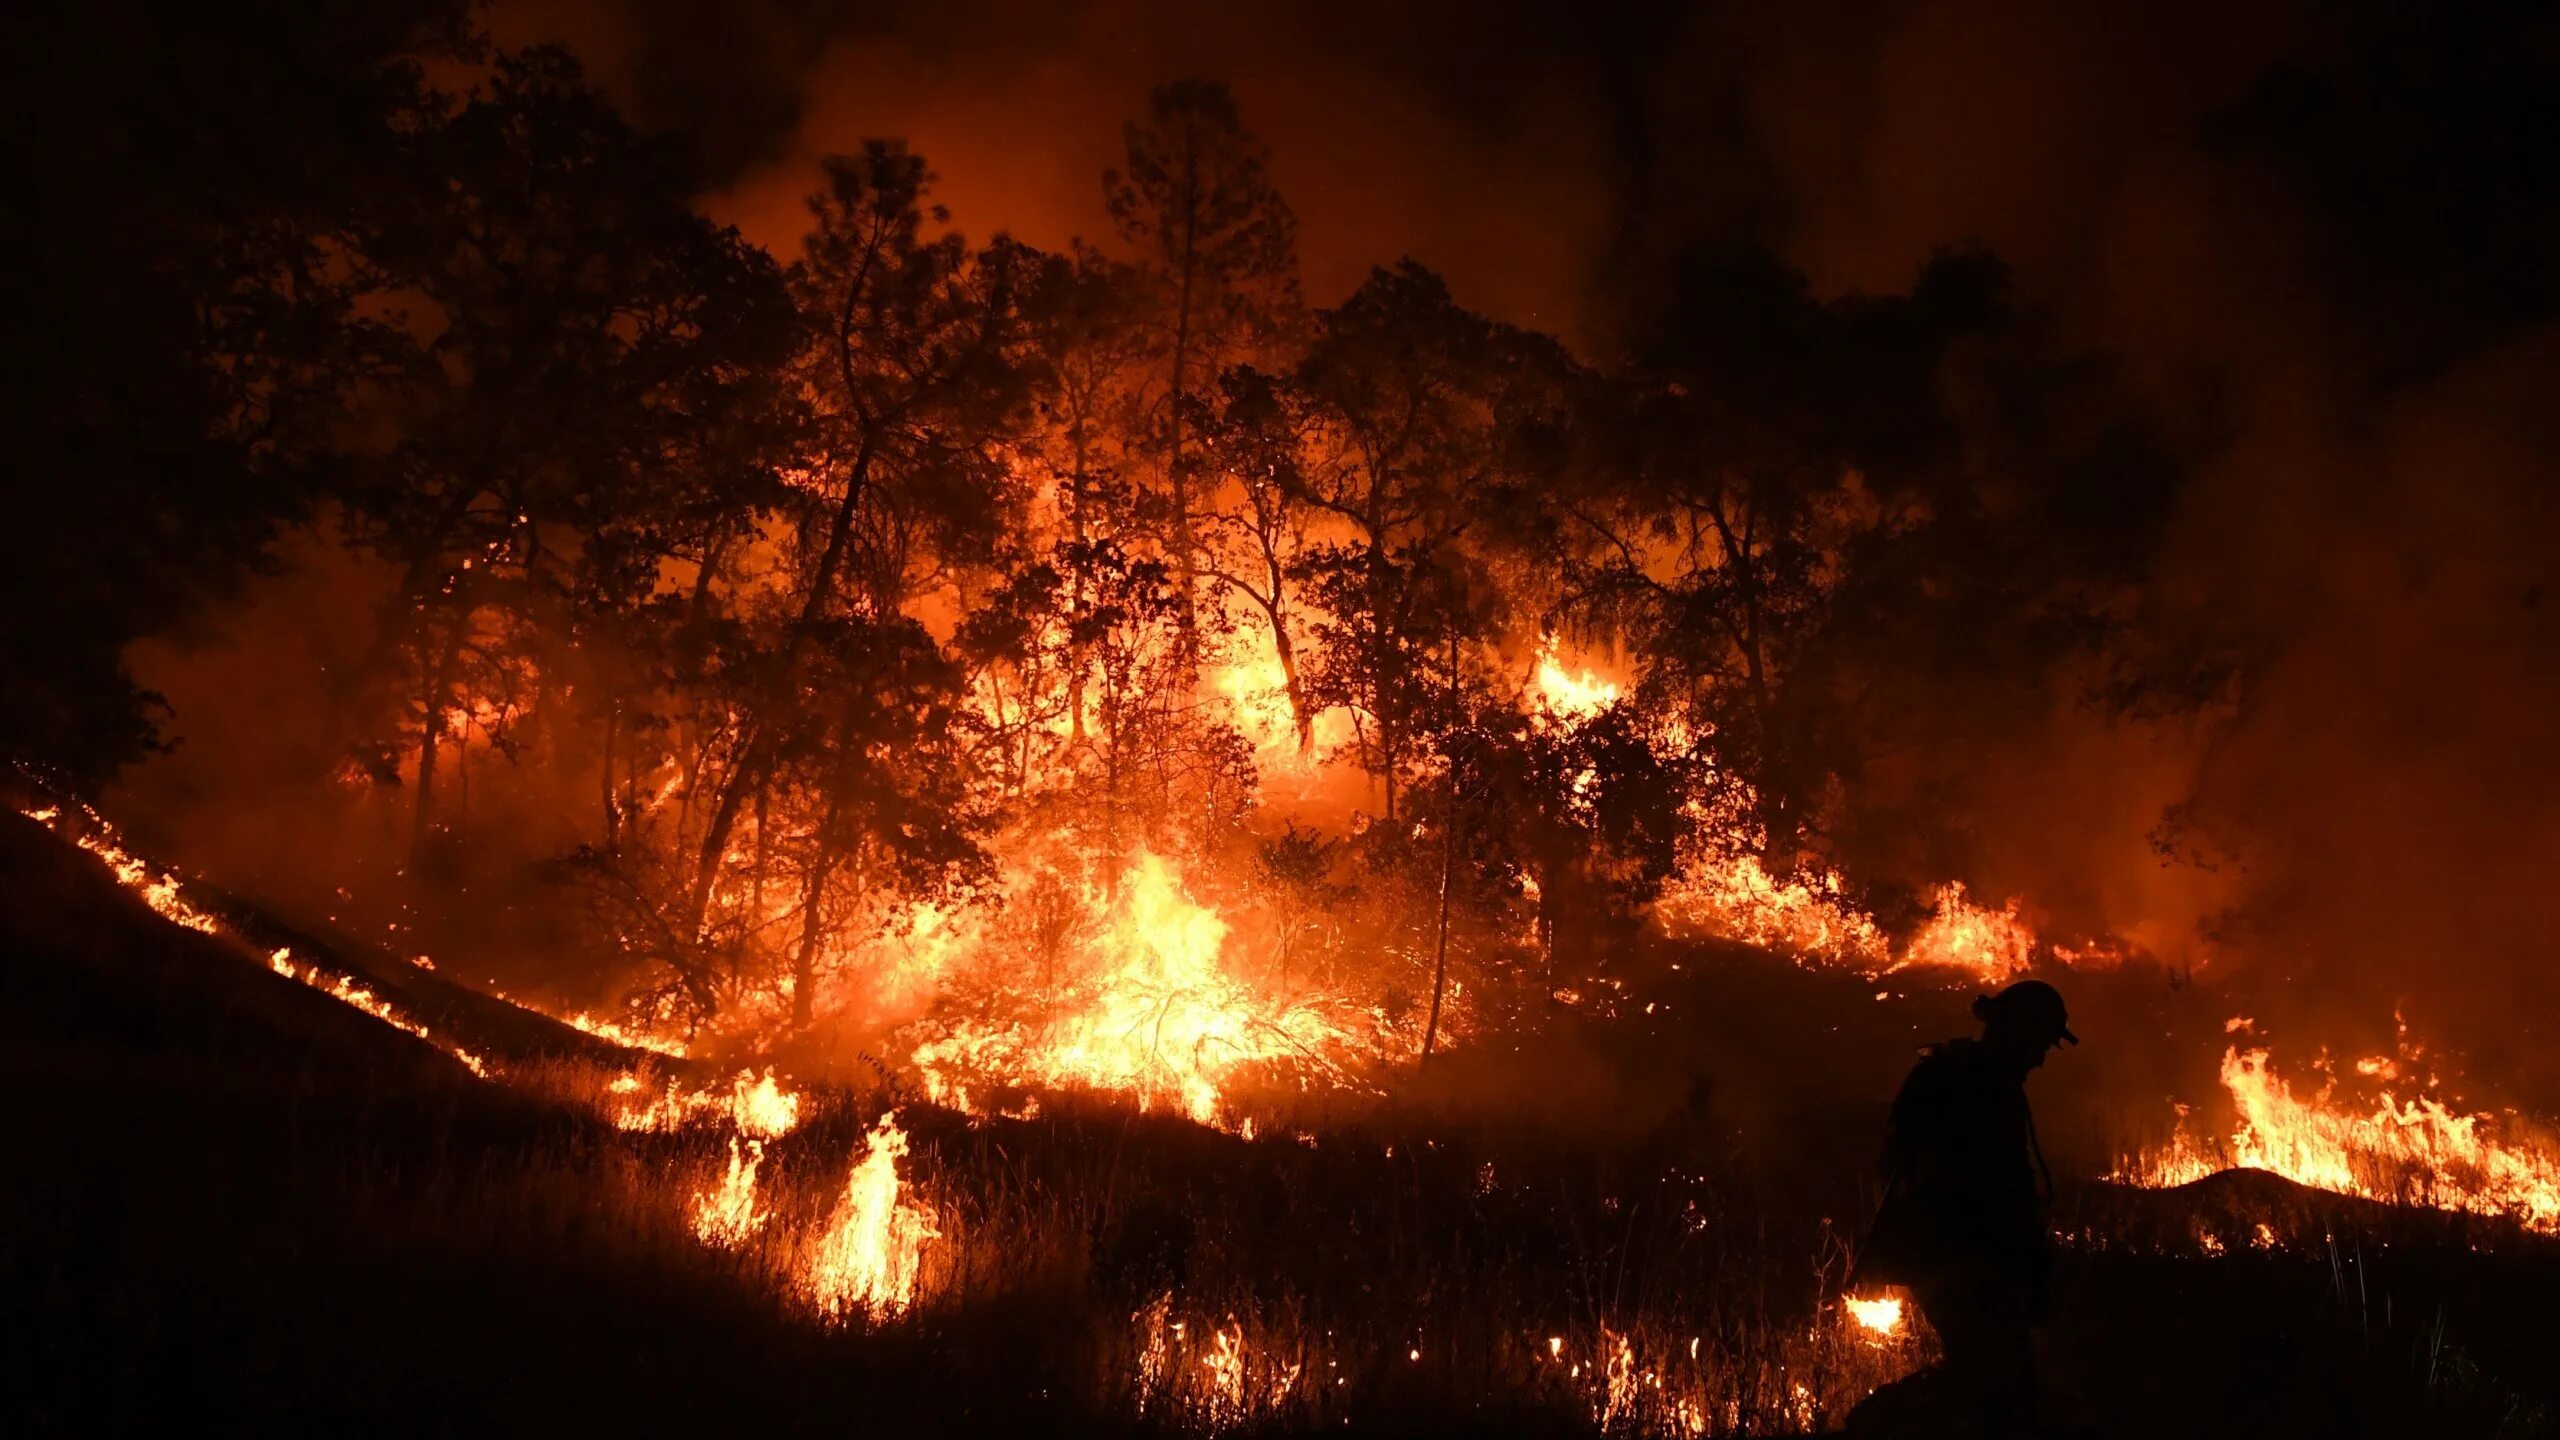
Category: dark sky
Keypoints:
(1538, 154)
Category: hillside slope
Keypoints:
(231, 1198)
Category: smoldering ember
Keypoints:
(1029, 717)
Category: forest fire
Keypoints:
(1404, 748)
(159, 890)
(1570, 695)
(1211, 1376)
(166, 895)
(630, 1037)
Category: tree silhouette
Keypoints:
(1218, 245)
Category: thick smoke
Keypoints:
(1445, 132)
(2311, 239)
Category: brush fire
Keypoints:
(971, 802)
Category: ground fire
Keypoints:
(2416, 1151)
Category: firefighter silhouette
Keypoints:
(1963, 1226)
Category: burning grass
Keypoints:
(1393, 1275)
(1153, 1012)
(2420, 1151)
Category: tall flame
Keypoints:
(727, 1212)
(871, 1257)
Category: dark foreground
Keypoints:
(232, 1200)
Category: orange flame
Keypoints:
(1880, 1316)
(726, 1213)
(1733, 896)
(2419, 1152)
(628, 1037)
(871, 1258)
(1994, 944)
(1232, 1383)
(757, 1104)
(1159, 1016)
(1569, 695)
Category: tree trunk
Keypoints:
(422, 808)
(1440, 948)
(612, 811)
(755, 756)
(1448, 869)
(430, 734)
(764, 847)
(1178, 471)
(804, 966)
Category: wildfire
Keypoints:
(628, 1037)
(1738, 899)
(871, 1258)
(1570, 695)
(726, 1213)
(1880, 1316)
(166, 895)
(2418, 1152)
(1157, 1016)
(1813, 916)
(348, 991)
(1224, 1384)
(159, 889)
(1995, 944)
(757, 1104)
(1256, 689)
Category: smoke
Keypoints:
(2305, 236)
(1442, 132)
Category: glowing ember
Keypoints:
(1157, 1014)
(726, 1212)
(2418, 1152)
(870, 1259)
